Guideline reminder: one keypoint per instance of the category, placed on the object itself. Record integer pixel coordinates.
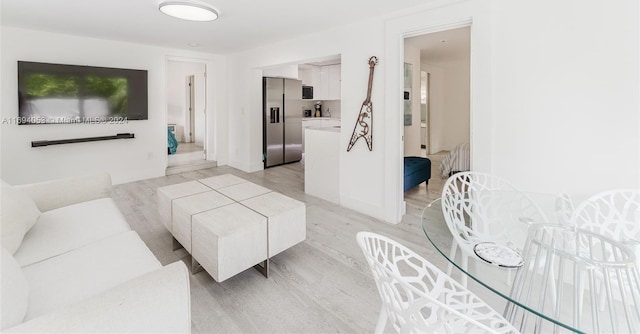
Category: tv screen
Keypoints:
(62, 94)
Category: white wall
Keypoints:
(566, 94)
(450, 105)
(554, 102)
(456, 90)
(177, 101)
(437, 111)
(361, 172)
(412, 132)
(284, 71)
(127, 159)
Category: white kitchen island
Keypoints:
(317, 122)
(322, 163)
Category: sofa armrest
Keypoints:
(158, 302)
(55, 194)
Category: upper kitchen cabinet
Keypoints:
(335, 82)
(330, 82)
(326, 80)
(305, 74)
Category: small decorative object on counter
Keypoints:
(318, 107)
(363, 128)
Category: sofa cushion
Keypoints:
(54, 194)
(19, 213)
(70, 227)
(15, 291)
(85, 272)
(157, 302)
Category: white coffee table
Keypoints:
(166, 196)
(228, 224)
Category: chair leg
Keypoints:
(382, 321)
(465, 267)
(452, 255)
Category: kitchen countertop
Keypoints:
(311, 118)
(325, 128)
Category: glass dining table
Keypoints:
(551, 276)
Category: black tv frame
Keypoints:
(137, 86)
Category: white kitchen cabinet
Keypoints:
(305, 75)
(334, 82)
(326, 82)
(322, 164)
(317, 122)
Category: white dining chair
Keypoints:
(417, 297)
(588, 268)
(563, 209)
(615, 214)
(480, 208)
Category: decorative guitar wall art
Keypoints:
(363, 128)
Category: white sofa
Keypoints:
(71, 263)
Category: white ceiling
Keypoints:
(243, 24)
(444, 47)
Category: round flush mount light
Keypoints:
(188, 10)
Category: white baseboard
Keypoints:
(375, 211)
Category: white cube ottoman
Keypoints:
(221, 181)
(286, 219)
(229, 240)
(185, 207)
(167, 194)
(241, 191)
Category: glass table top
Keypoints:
(504, 260)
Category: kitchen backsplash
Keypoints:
(333, 105)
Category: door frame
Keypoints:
(208, 148)
(191, 114)
(436, 17)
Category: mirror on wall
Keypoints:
(408, 79)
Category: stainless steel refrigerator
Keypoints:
(282, 121)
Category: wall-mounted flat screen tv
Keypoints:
(63, 94)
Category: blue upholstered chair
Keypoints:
(416, 171)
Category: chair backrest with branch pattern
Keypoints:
(421, 298)
(480, 207)
(614, 213)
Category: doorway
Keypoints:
(186, 114)
(440, 112)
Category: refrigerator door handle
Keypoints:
(274, 115)
(281, 114)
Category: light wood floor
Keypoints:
(188, 147)
(322, 285)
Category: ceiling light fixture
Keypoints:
(188, 10)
